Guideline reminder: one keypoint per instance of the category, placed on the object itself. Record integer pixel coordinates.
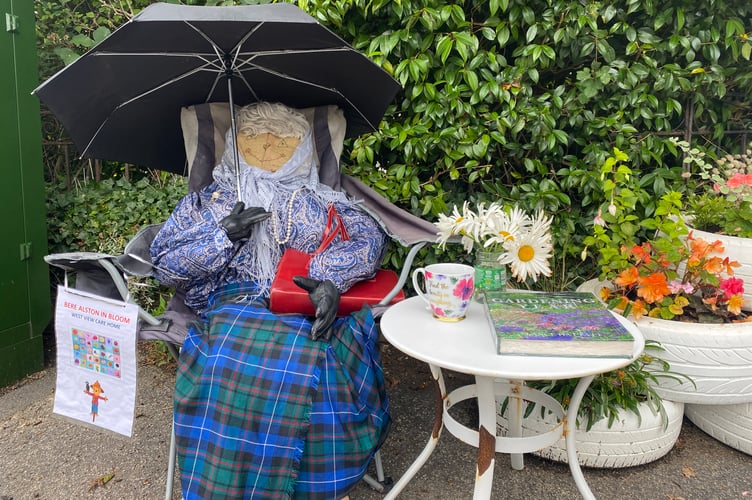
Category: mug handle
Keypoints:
(420, 271)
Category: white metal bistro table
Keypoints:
(467, 346)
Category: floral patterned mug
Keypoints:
(448, 289)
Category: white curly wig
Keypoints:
(271, 117)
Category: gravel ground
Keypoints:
(43, 456)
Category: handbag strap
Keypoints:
(334, 226)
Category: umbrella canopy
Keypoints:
(121, 100)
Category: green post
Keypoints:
(24, 279)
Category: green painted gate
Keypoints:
(24, 280)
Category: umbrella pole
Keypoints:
(234, 134)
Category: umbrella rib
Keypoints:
(214, 46)
(219, 56)
(211, 65)
(151, 90)
(304, 82)
(235, 51)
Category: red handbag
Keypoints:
(287, 297)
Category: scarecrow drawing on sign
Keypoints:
(95, 391)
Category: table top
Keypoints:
(467, 346)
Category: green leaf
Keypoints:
(100, 34)
(471, 79)
(734, 27)
(444, 47)
(66, 55)
(746, 50)
(82, 41)
(531, 32)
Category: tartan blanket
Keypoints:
(262, 411)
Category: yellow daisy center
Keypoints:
(526, 253)
(506, 235)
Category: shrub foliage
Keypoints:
(522, 101)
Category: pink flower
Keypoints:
(464, 289)
(598, 221)
(677, 286)
(732, 286)
(438, 311)
(738, 180)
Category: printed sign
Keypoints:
(96, 360)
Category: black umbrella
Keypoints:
(121, 100)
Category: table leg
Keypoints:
(515, 408)
(571, 438)
(486, 437)
(438, 424)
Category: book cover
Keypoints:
(555, 324)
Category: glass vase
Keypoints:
(489, 273)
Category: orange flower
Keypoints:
(713, 265)
(735, 304)
(702, 248)
(711, 301)
(663, 260)
(628, 277)
(638, 309)
(653, 288)
(641, 252)
(730, 265)
(716, 247)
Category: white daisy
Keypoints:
(445, 225)
(465, 224)
(540, 226)
(528, 255)
(504, 227)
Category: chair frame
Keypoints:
(406, 229)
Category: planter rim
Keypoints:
(700, 233)
(691, 328)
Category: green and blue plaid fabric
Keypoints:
(262, 411)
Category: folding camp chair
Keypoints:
(204, 127)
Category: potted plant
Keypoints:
(719, 204)
(622, 421)
(679, 288)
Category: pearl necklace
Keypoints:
(275, 229)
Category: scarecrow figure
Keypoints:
(95, 391)
(298, 403)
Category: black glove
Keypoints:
(238, 224)
(325, 299)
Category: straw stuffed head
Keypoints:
(269, 133)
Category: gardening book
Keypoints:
(555, 324)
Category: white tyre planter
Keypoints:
(739, 249)
(718, 358)
(729, 424)
(626, 444)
